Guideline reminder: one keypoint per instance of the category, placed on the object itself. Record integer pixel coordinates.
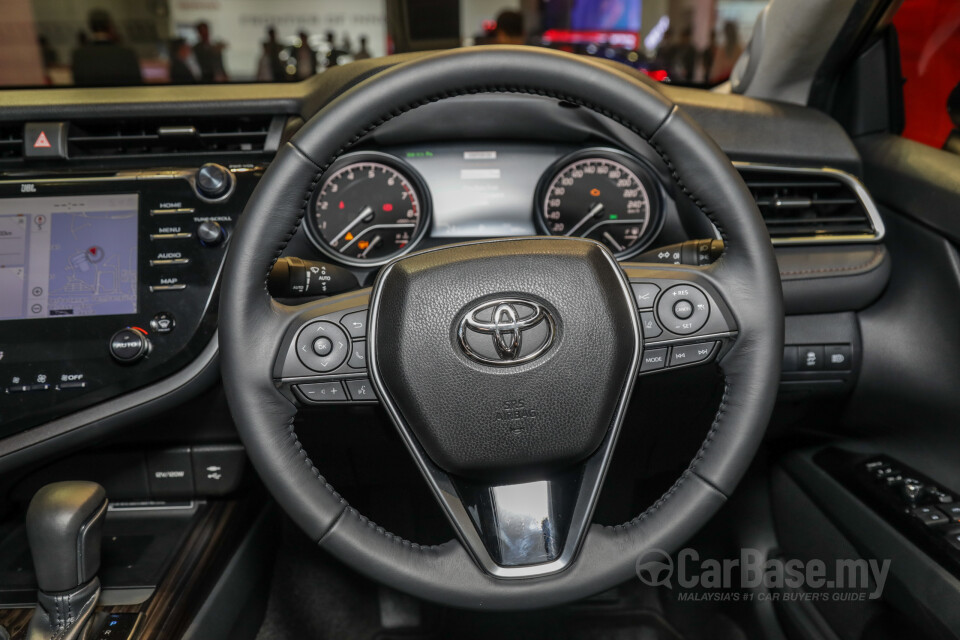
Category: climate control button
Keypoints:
(129, 345)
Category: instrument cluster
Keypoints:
(372, 206)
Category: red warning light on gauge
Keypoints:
(388, 207)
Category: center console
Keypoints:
(108, 282)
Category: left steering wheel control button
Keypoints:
(129, 345)
(649, 324)
(322, 346)
(683, 309)
(645, 293)
(653, 360)
(691, 353)
(321, 392)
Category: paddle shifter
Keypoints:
(63, 526)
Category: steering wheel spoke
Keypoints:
(322, 358)
(685, 318)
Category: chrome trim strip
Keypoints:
(594, 469)
(850, 180)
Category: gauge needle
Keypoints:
(595, 210)
(376, 240)
(613, 241)
(367, 211)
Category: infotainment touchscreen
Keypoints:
(68, 256)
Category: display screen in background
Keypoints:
(68, 256)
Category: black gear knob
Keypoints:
(64, 521)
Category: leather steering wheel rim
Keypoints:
(746, 274)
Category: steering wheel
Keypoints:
(505, 365)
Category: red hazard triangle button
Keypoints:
(45, 140)
(42, 142)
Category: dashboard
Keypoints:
(112, 242)
(372, 206)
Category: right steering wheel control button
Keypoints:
(356, 323)
(683, 309)
(322, 346)
(322, 392)
(358, 356)
(361, 390)
(691, 353)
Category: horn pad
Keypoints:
(505, 359)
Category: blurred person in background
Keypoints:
(726, 55)
(305, 56)
(683, 60)
(183, 66)
(209, 56)
(48, 53)
(335, 55)
(363, 53)
(271, 67)
(103, 61)
(509, 28)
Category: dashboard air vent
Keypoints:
(11, 142)
(811, 206)
(150, 137)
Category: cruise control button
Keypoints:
(361, 390)
(356, 323)
(673, 315)
(649, 323)
(691, 353)
(653, 359)
(318, 392)
(683, 309)
(645, 293)
(358, 357)
(307, 344)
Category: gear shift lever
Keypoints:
(64, 520)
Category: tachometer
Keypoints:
(369, 208)
(603, 195)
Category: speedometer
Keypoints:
(369, 208)
(602, 195)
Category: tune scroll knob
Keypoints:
(214, 181)
(210, 233)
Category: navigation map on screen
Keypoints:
(67, 257)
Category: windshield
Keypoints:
(133, 42)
